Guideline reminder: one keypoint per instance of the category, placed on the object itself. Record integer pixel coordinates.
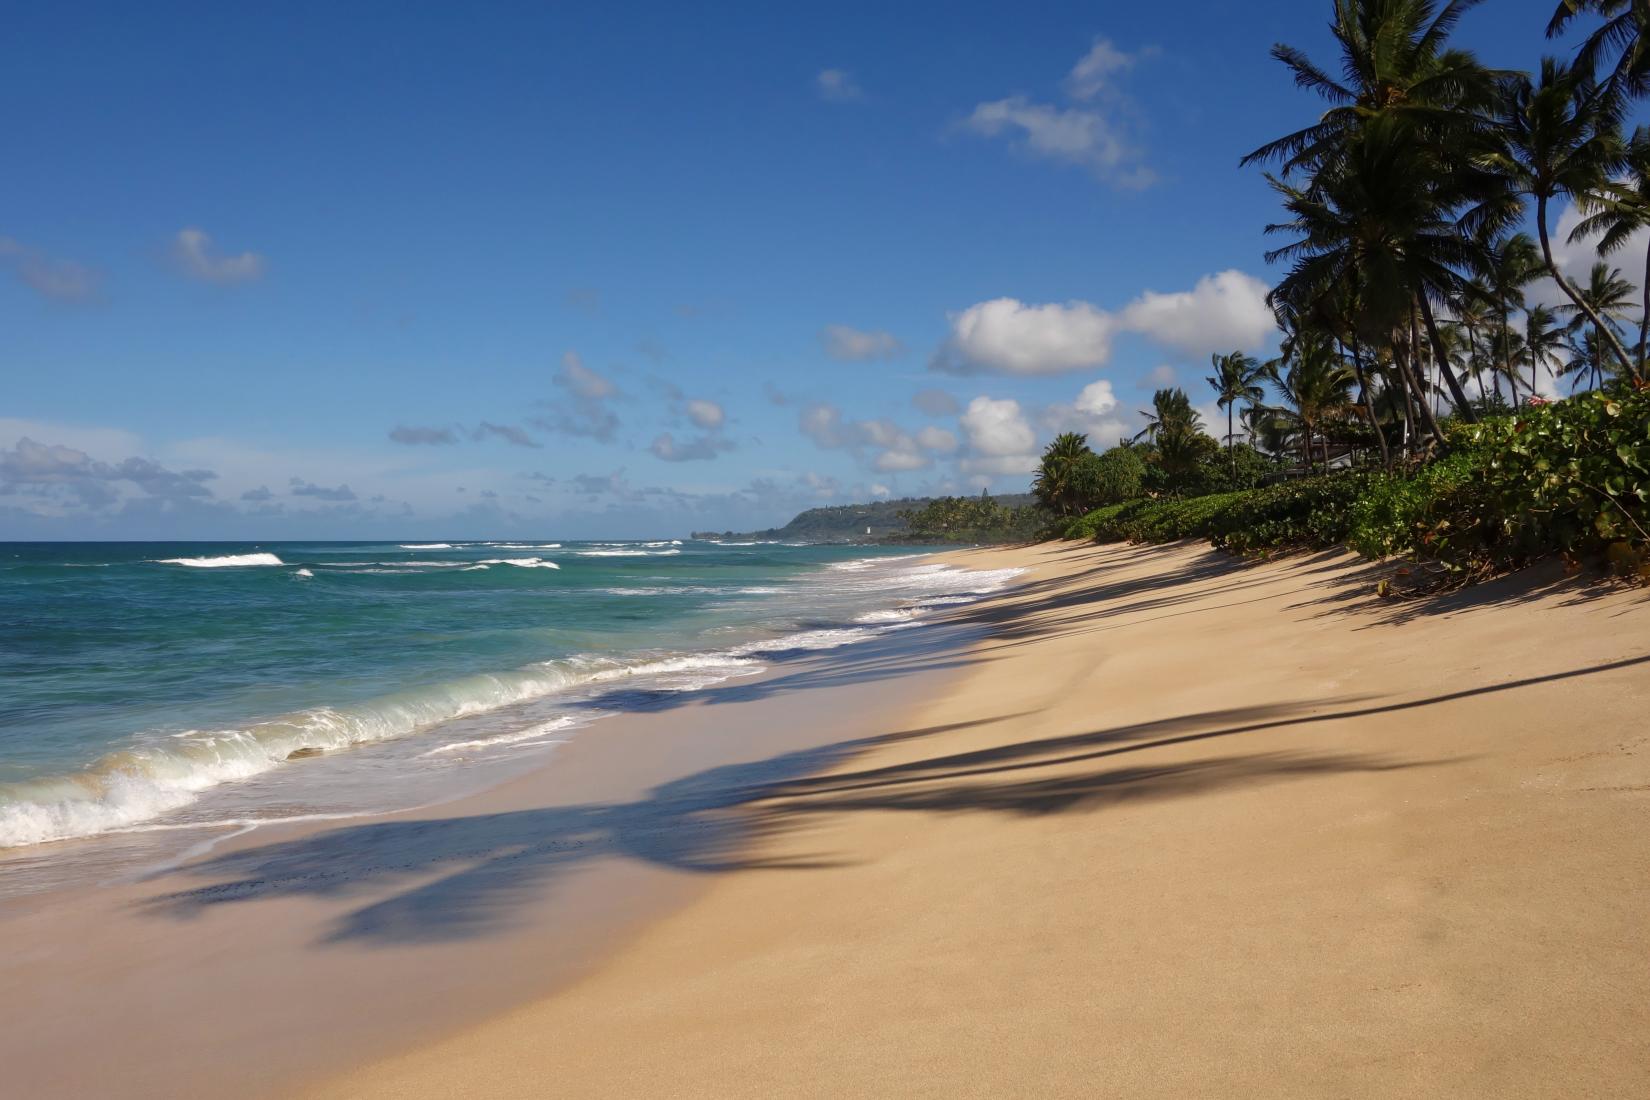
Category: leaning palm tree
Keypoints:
(1236, 378)
(1620, 209)
(1608, 297)
(1561, 138)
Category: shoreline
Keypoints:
(305, 948)
(1185, 826)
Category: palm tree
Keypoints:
(1617, 211)
(1316, 387)
(1623, 30)
(1608, 296)
(1395, 64)
(1236, 378)
(1171, 412)
(1511, 264)
(1394, 165)
(1561, 140)
(1057, 473)
(1543, 339)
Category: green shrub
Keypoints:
(1310, 513)
(1109, 478)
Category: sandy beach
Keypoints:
(1181, 828)
(1152, 823)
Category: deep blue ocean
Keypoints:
(167, 686)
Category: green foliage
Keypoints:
(1571, 477)
(972, 519)
(1308, 513)
(1060, 474)
(1109, 478)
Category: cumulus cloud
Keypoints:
(1221, 312)
(192, 249)
(1094, 413)
(852, 345)
(584, 411)
(699, 449)
(935, 403)
(414, 436)
(704, 414)
(57, 279)
(890, 448)
(261, 493)
(1011, 337)
(1000, 439)
(298, 487)
(838, 86)
(1094, 132)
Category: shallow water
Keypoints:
(156, 688)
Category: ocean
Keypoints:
(151, 688)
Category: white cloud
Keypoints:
(897, 461)
(583, 381)
(1009, 336)
(192, 248)
(997, 426)
(859, 345)
(1221, 312)
(59, 280)
(705, 414)
(1092, 74)
(1094, 134)
(838, 86)
(1096, 399)
(880, 491)
(937, 440)
(1160, 376)
(700, 449)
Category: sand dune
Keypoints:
(1183, 828)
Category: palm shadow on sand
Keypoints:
(448, 879)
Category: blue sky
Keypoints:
(614, 270)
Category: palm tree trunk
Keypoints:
(1644, 316)
(1231, 452)
(1368, 401)
(1462, 405)
(1571, 292)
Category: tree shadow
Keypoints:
(448, 879)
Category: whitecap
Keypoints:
(224, 561)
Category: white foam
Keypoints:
(226, 561)
(531, 733)
(426, 546)
(303, 573)
(521, 563)
(626, 553)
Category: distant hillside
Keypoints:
(879, 521)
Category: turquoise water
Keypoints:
(151, 686)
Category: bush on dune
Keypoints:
(1568, 478)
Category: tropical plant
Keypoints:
(1619, 209)
(1056, 484)
(1561, 139)
(1316, 388)
(1237, 378)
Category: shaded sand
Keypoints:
(1183, 828)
